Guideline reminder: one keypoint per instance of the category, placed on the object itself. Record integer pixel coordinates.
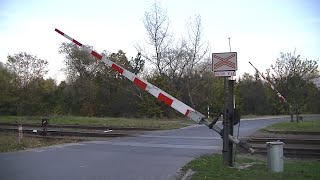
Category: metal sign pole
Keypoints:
(231, 119)
(228, 113)
(226, 127)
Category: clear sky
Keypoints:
(259, 29)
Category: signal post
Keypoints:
(225, 65)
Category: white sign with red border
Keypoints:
(224, 61)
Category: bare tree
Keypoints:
(177, 63)
(188, 53)
(196, 47)
(197, 50)
(156, 23)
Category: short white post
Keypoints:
(20, 133)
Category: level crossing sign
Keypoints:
(224, 64)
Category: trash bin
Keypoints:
(275, 156)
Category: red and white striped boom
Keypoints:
(156, 92)
(282, 99)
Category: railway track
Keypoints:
(94, 127)
(297, 146)
(73, 130)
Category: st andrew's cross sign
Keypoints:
(224, 64)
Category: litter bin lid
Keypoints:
(274, 143)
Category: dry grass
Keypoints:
(9, 141)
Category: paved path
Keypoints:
(156, 155)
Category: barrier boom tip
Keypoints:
(58, 31)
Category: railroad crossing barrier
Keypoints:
(158, 93)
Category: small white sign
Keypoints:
(224, 61)
(224, 73)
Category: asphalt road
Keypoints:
(156, 155)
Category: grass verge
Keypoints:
(210, 167)
(103, 121)
(9, 142)
(306, 126)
